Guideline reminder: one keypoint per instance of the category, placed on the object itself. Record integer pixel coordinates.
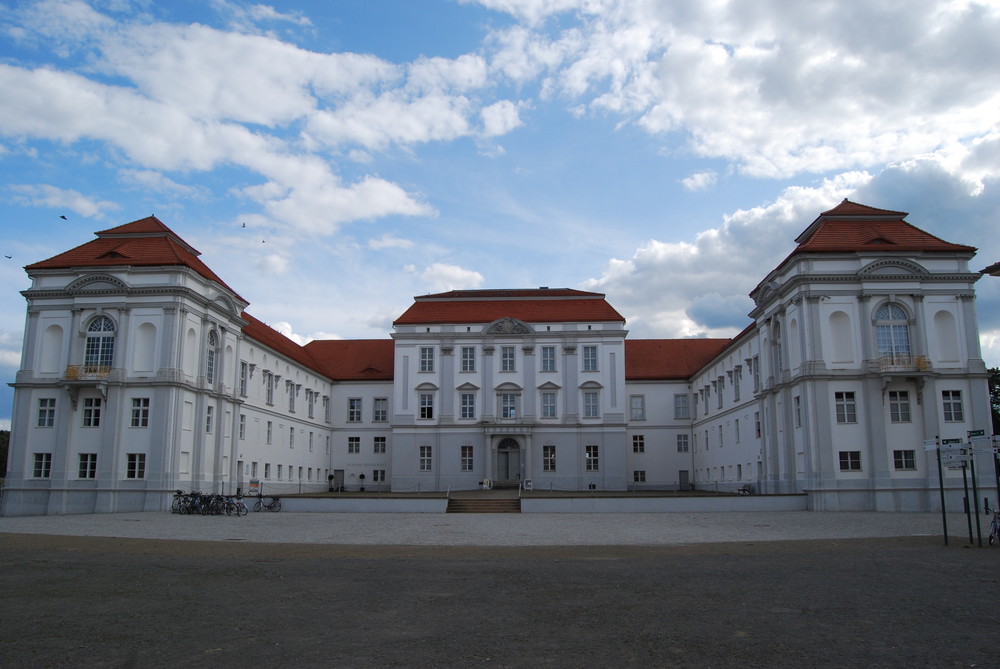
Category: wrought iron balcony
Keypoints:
(87, 372)
(903, 362)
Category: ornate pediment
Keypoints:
(97, 282)
(508, 326)
(892, 267)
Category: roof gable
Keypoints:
(541, 305)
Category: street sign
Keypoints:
(951, 441)
(977, 433)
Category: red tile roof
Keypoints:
(354, 359)
(851, 227)
(268, 336)
(143, 243)
(661, 359)
(541, 305)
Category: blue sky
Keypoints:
(666, 154)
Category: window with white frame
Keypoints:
(426, 406)
(466, 458)
(850, 461)
(140, 412)
(736, 430)
(311, 434)
(952, 404)
(46, 412)
(380, 410)
(244, 377)
(243, 426)
(737, 375)
(135, 465)
(756, 424)
(292, 392)
(548, 358)
(291, 437)
(508, 359)
(637, 407)
(92, 412)
(425, 458)
(797, 410)
(468, 358)
(378, 445)
(311, 402)
(681, 411)
(426, 359)
(590, 358)
(722, 387)
(548, 404)
(468, 408)
(378, 476)
(209, 415)
(593, 458)
(683, 443)
(846, 406)
(508, 405)
(267, 470)
(892, 333)
(88, 466)
(280, 471)
(354, 444)
(43, 466)
(213, 343)
(269, 387)
(638, 443)
(899, 406)
(270, 431)
(639, 476)
(548, 458)
(99, 349)
(591, 404)
(904, 459)
(354, 410)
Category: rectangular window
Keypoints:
(638, 443)
(291, 437)
(590, 358)
(209, 414)
(508, 361)
(280, 472)
(548, 358)
(310, 442)
(243, 426)
(269, 387)
(847, 411)
(135, 467)
(379, 445)
(681, 410)
(426, 405)
(468, 359)
(46, 412)
(637, 407)
(736, 431)
(92, 412)
(468, 405)
(43, 465)
(737, 375)
(378, 476)
(756, 373)
(270, 431)
(593, 462)
(591, 404)
(899, 406)
(311, 403)
(291, 396)
(354, 410)
(797, 410)
(721, 389)
(639, 476)
(425, 458)
(850, 461)
(380, 410)
(548, 458)
(210, 365)
(244, 377)
(952, 400)
(426, 359)
(756, 424)
(140, 412)
(548, 405)
(904, 459)
(326, 408)
(508, 405)
(466, 458)
(88, 465)
(683, 443)
(354, 444)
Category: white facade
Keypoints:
(142, 375)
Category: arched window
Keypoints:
(213, 342)
(892, 333)
(100, 348)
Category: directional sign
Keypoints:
(977, 433)
(951, 441)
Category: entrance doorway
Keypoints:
(508, 460)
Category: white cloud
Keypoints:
(45, 195)
(273, 264)
(500, 118)
(700, 181)
(441, 277)
(155, 181)
(388, 241)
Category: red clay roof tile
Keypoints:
(354, 359)
(541, 305)
(674, 359)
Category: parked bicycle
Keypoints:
(995, 527)
(207, 505)
(273, 505)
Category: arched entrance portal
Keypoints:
(508, 460)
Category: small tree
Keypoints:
(994, 382)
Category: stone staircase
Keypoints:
(484, 505)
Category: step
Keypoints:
(484, 506)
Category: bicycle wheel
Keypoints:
(241, 509)
(256, 505)
(275, 505)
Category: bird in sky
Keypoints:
(8, 257)
(63, 217)
(244, 225)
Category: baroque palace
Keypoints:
(142, 373)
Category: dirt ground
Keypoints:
(95, 602)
